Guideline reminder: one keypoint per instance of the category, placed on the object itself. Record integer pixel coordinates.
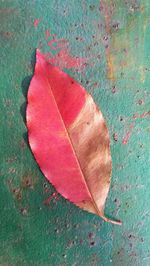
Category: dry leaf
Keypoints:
(68, 137)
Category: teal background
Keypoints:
(115, 40)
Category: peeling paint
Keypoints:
(63, 57)
(144, 115)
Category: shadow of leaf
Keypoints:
(25, 137)
(25, 85)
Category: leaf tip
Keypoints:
(38, 52)
(116, 222)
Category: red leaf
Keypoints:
(68, 137)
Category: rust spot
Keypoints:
(70, 243)
(140, 101)
(92, 7)
(56, 230)
(6, 11)
(121, 118)
(117, 202)
(115, 137)
(133, 254)
(114, 89)
(12, 170)
(90, 235)
(46, 188)
(7, 102)
(115, 25)
(6, 34)
(76, 226)
(92, 243)
(22, 144)
(29, 67)
(17, 193)
(24, 211)
(11, 159)
(95, 84)
(27, 182)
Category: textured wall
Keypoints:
(105, 46)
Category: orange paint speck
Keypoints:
(126, 138)
(47, 34)
(127, 135)
(144, 115)
(36, 22)
(54, 196)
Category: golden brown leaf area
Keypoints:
(90, 139)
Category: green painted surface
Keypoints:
(114, 37)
